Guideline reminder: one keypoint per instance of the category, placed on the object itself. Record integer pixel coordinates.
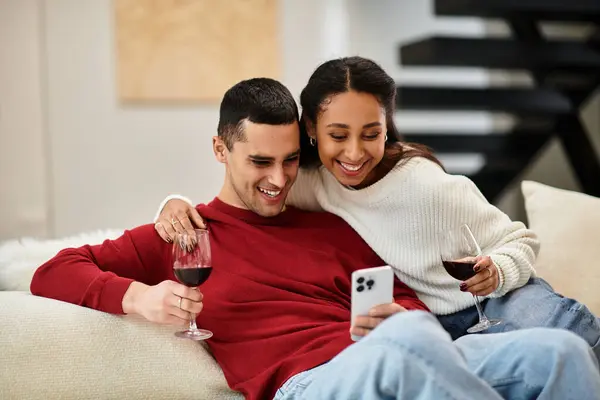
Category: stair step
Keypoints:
(519, 101)
(500, 53)
(562, 80)
(509, 145)
(594, 39)
(546, 10)
(506, 154)
(493, 183)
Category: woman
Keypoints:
(398, 198)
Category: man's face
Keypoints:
(261, 169)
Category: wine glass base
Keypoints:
(483, 325)
(198, 334)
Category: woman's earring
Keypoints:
(312, 141)
(385, 138)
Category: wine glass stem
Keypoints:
(193, 326)
(482, 316)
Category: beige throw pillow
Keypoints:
(568, 226)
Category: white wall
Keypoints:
(73, 159)
(108, 165)
(23, 190)
(112, 163)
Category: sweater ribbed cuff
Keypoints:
(509, 274)
(111, 297)
(501, 280)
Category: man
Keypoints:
(278, 299)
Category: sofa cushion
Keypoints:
(52, 349)
(19, 258)
(568, 226)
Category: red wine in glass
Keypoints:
(458, 249)
(461, 270)
(192, 266)
(192, 276)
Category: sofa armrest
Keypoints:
(52, 349)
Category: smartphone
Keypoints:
(370, 287)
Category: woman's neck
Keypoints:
(380, 170)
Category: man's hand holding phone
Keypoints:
(363, 324)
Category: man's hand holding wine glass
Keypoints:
(486, 279)
(168, 302)
(176, 303)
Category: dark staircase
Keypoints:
(565, 72)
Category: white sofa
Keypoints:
(51, 349)
(55, 350)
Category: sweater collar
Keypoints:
(251, 217)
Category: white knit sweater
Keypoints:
(400, 215)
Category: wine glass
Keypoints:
(192, 265)
(458, 249)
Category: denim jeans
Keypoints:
(534, 305)
(411, 356)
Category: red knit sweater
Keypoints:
(278, 298)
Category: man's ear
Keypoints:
(220, 150)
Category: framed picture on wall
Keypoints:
(193, 50)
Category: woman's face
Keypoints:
(350, 132)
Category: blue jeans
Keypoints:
(534, 305)
(410, 356)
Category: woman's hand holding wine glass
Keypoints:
(463, 259)
(486, 279)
